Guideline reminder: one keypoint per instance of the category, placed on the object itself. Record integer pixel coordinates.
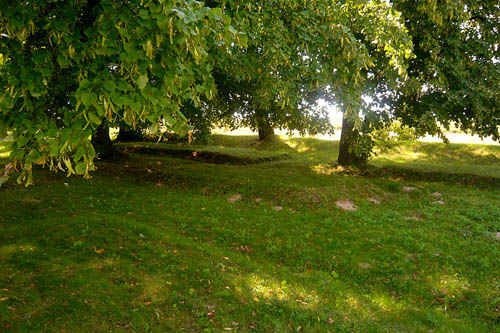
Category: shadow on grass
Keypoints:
(161, 267)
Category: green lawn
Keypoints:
(153, 243)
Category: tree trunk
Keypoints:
(264, 127)
(265, 132)
(128, 134)
(103, 146)
(347, 157)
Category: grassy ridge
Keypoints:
(164, 244)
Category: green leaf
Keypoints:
(142, 81)
(63, 62)
(89, 99)
(94, 118)
(110, 86)
(80, 168)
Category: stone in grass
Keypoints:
(439, 202)
(346, 205)
(436, 194)
(498, 236)
(234, 198)
(409, 188)
(258, 200)
(413, 218)
(278, 208)
(374, 201)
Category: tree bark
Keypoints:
(266, 132)
(264, 127)
(347, 157)
(103, 145)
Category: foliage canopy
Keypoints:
(70, 65)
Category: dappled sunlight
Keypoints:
(387, 303)
(100, 264)
(297, 144)
(404, 156)
(348, 304)
(449, 288)
(155, 289)
(8, 251)
(327, 169)
(271, 289)
(268, 289)
(4, 149)
(414, 152)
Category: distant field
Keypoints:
(455, 136)
(164, 243)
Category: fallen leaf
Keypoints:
(436, 194)
(243, 248)
(3, 299)
(374, 201)
(101, 251)
(439, 202)
(278, 208)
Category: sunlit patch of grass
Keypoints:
(387, 303)
(8, 251)
(439, 157)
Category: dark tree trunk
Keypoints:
(103, 145)
(128, 134)
(264, 127)
(266, 132)
(348, 137)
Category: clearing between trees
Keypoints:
(162, 243)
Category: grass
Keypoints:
(154, 245)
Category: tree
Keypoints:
(299, 51)
(71, 66)
(453, 76)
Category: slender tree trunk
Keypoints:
(348, 136)
(103, 145)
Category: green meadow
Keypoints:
(266, 237)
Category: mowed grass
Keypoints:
(154, 244)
